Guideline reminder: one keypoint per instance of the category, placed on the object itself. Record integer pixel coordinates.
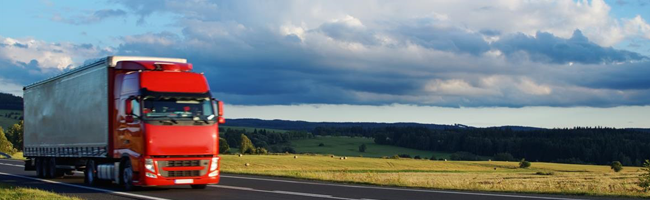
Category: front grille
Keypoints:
(183, 163)
(183, 173)
(171, 164)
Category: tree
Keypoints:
(503, 157)
(524, 164)
(362, 148)
(246, 146)
(15, 135)
(644, 179)
(433, 157)
(5, 145)
(617, 166)
(223, 145)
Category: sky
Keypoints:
(561, 63)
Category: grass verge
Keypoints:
(450, 175)
(10, 192)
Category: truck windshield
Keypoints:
(178, 108)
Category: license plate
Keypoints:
(183, 181)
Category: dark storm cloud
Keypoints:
(24, 73)
(442, 38)
(545, 47)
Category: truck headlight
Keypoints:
(214, 164)
(148, 164)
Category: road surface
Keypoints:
(250, 188)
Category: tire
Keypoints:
(90, 173)
(54, 173)
(199, 186)
(126, 174)
(47, 172)
(40, 172)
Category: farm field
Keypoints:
(5, 122)
(454, 175)
(349, 146)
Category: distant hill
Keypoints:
(309, 126)
(10, 102)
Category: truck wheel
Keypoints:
(54, 173)
(90, 173)
(40, 172)
(199, 186)
(45, 164)
(126, 174)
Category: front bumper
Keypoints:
(164, 181)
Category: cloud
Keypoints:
(96, 16)
(546, 47)
(505, 53)
(25, 60)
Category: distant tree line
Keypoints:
(274, 141)
(575, 145)
(10, 102)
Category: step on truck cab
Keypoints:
(134, 121)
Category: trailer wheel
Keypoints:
(45, 164)
(198, 186)
(90, 173)
(126, 174)
(51, 167)
(40, 172)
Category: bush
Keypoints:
(362, 148)
(5, 145)
(261, 150)
(321, 145)
(524, 164)
(246, 146)
(288, 150)
(404, 156)
(395, 157)
(545, 173)
(433, 157)
(464, 156)
(417, 157)
(223, 145)
(503, 157)
(617, 166)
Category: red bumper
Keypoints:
(163, 181)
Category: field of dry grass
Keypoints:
(455, 175)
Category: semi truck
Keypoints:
(134, 121)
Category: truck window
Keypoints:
(181, 108)
(135, 107)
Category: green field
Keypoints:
(453, 175)
(349, 146)
(6, 123)
(10, 192)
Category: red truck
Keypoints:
(135, 121)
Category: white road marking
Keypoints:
(11, 165)
(86, 187)
(285, 192)
(401, 189)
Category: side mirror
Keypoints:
(219, 106)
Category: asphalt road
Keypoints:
(251, 188)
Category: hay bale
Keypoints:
(341, 158)
(345, 158)
(240, 155)
(294, 157)
(445, 160)
(247, 164)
